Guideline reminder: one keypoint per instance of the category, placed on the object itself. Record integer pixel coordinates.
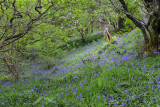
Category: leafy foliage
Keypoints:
(54, 67)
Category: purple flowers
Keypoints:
(115, 90)
(144, 67)
(77, 97)
(113, 79)
(81, 85)
(80, 95)
(151, 82)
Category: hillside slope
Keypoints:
(99, 74)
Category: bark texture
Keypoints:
(150, 29)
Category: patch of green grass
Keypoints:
(111, 79)
(77, 42)
(125, 84)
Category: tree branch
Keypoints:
(38, 6)
(134, 20)
(15, 37)
(1, 9)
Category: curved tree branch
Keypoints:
(16, 36)
(134, 20)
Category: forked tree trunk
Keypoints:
(150, 30)
(11, 61)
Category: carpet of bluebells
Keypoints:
(95, 75)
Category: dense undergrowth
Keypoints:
(77, 42)
(97, 75)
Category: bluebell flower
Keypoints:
(152, 101)
(81, 85)
(109, 102)
(123, 103)
(73, 103)
(113, 79)
(117, 102)
(80, 95)
(77, 97)
(151, 82)
(152, 87)
(158, 82)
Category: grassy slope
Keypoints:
(115, 76)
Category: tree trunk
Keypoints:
(154, 39)
(153, 25)
(121, 24)
(92, 24)
(82, 36)
(154, 45)
(83, 40)
(151, 29)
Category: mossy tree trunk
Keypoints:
(153, 28)
(149, 29)
(121, 24)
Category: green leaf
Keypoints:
(38, 100)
